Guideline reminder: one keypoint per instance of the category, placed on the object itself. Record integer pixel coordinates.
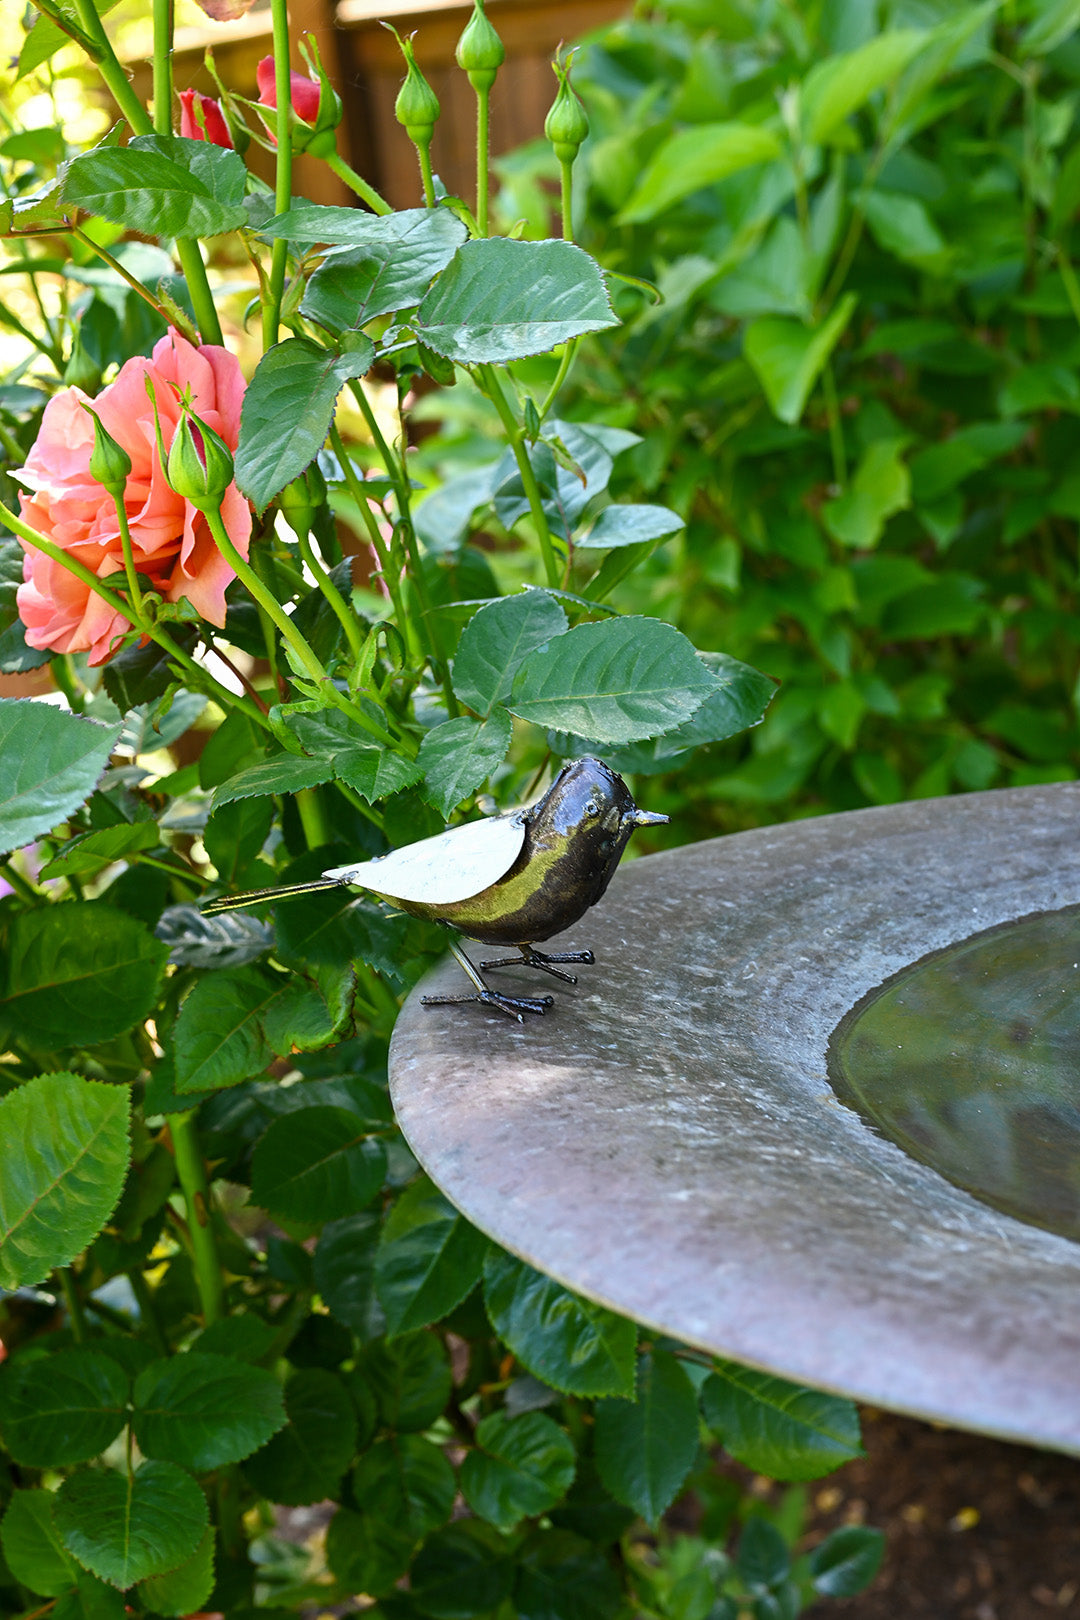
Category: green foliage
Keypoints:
(52, 763)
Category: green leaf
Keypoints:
(1054, 21)
(629, 525)
(520, 1467)
(345, 1272)
(318, 1164)
(645, 1449)
(409, 1377)
(392, 260)
(495, 642)
(160, 185)
(429, 1258)
(185, 1589)
(31, 1544)
(902, 226)
(79, 973)
(881, 486)
(304, 1017)
(461, 1572)
(561, 1577)
(62, 1409)
(459, 756)
(305, 1461)
(618, 681)
(839, 86)
(204, 1411)
(64, 1155)
(367, 1554)
(847, 1561)
(764, 1561)
(568, 1342)
(52, 763)
(788, 357)
(698, 157)
(126, 1527)
(287, 409)
(93, 852)
(777, 1428)
(90, 1599)
(405, 1482)
(284, 773)
(499, 300)
(218, 1035)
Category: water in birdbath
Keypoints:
(969, 1059)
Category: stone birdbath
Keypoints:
(699, 1134)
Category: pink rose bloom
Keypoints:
(171, 541)
(303, 92)
(193, 103)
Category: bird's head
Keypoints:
(590, 806)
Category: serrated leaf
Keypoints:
(157, 185)
(232, 940)
(520, 1467)
(64, 1150)
(645, 1449)
(561, 1577)
(126, 1527)
(366, 1554)
(305, 1461)
(499, 300)
(388, 265)
(698, 157)
(345, 1272)
(429, 1257)
(205, 1411)
(847, 1560)
(459, 756)
(495, 642)
(777, 1428)
(630, 525)
(93, 852)
(32, 1547)
(568, 1342)
(218, 1035)
(52, 764)
(62, 1409)
(409, 1378)
(89, 1599)
(285, 773)
(287, 409)
(375, 773)
(79, 973)
(405, 1482)
(184, 1590)
(461, 1572)
(788, 357)
(319, 1164)
(618, 681)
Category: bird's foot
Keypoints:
(543, 961)
(512, 1006)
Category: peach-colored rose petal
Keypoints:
(171, 540)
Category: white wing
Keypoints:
(452, 866)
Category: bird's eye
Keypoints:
(592, 808)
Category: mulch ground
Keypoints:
(976, 1529)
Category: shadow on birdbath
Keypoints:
(667, 1141)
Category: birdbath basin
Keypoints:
(696, 1134)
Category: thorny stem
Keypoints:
(129, 558)
(192, 1175)
(371, 524)
(163, 35)
(345, 617)
(357, 183)
(114, 264)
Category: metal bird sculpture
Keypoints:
(513, 879)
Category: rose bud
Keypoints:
(201, 119)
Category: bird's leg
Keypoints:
(512, 1006)
(542, 960)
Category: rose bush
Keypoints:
(172, 543)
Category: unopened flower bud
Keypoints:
(480, 50)
(417, 105)
(567, 124)
(300, 500)
(110, 463)
(200, 464)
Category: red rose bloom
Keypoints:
(193, 103)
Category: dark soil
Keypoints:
(975, 1529)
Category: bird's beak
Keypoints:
(645, 818)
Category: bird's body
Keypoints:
(512, 880)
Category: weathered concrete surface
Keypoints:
(666, 1140)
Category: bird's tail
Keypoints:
(284, 891)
